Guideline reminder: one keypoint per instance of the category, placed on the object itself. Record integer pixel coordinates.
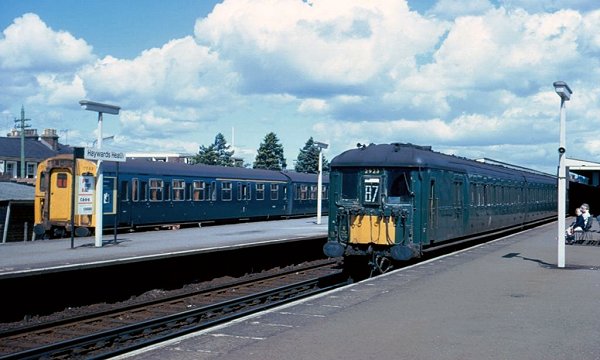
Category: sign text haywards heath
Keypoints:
(105, 155)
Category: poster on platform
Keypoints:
(85, 195)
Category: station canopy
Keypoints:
(589, 169)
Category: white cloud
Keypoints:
(29, 44)
(322, 47)
(55, 90)
(180, 72)
(312, 106)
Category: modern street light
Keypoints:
(321, 146)
(100, 109)
(564, 91)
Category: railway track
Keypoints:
(119, 330)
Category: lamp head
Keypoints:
(321, 145)
(563, 90)
(98, 107)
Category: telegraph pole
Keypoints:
(22, 126)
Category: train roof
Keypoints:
(159, 168)
(414, 156)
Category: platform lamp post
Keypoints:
(100, 109)
(564, 91)
(321, 147)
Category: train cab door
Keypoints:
(60, 195)
(432, 212)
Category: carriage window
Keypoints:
(178, 190)
(325, 192)
(213, 191)
(199, 190)
(143, 196)
(226, 191)
(167, 191)
(244, 192)
(303, 192)
(135, 190)
(61, 180)
(124, 191)
(260, 191)
(458, 193)
(156, 190)
(274, 191)
(313, 192)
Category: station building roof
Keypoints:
(10, 191)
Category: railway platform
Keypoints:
(45, 256)
(502, 300)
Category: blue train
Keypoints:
(140, 193)
(390, 202)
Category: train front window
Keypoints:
(398, 187)
(349, 184)
(61, 180)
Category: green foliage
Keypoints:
(308, 159)
(215, 154)
(270, 154)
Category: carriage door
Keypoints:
(432, 209)
(458, 197)
(60, 196)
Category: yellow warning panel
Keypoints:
(367, 229)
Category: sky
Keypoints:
(469, 78)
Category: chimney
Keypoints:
(49, 137)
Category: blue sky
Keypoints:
(468, 78)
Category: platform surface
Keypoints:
(26, 258)
(502, 300)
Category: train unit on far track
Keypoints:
(390, 202)
(140, 193)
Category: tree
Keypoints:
(215, 154)
(308, 159)
(224, 156)
(270, 154)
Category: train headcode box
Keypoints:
(85, 195)
(109, 195)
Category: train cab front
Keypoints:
(372, 214)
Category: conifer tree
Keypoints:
(216, 153)
(270, 154)
(308, 159)
(224, 156)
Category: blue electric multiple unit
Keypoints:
(140, 193)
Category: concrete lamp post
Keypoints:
(564, 91)
(100, 109)
(321, 146)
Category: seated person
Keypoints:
(585, 212)
(577, 225)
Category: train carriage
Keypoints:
(391, 201)
(146, 193)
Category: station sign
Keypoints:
(104, 155)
